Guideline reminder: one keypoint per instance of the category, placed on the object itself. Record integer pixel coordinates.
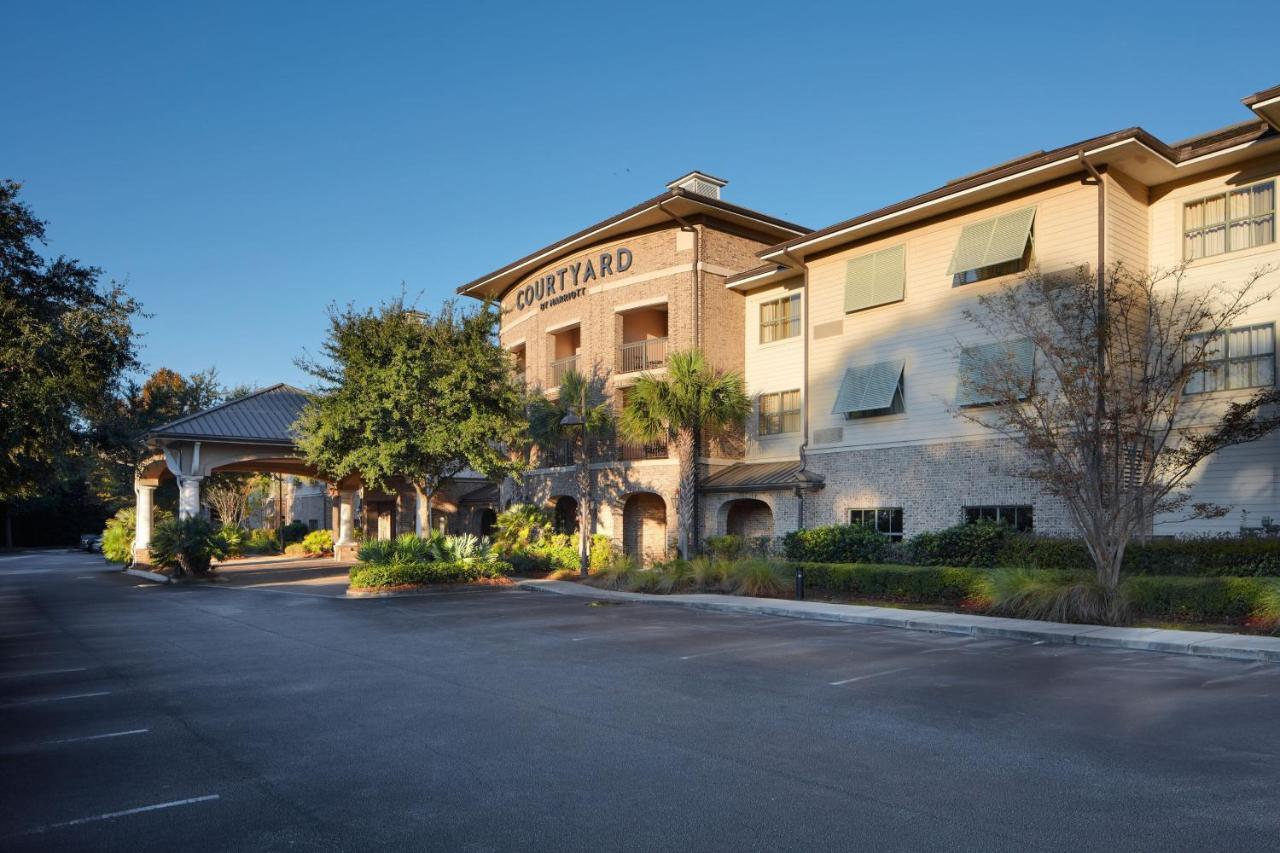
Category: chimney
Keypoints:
(698, 183)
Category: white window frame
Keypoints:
(1222, 364)
(777, 419)
(782, 328)
(1252, 218)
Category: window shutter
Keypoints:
(890, 277)
(982, 364)
(859, 283)
(972, 247)
(875, 279)
(869, 387)
(992, 241)
(1009, 240)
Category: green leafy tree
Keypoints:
(693, 401)
(68, 343)
(580, 414)
(412, 395)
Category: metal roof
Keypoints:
(761, 476)
(486, 494)
(266, 415)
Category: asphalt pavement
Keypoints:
(273, 716)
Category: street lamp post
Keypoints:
(574, 418)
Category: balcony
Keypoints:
(560, 367)
(647, 354)
(628, 452)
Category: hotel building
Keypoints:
(849, 337)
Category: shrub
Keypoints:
(709, 574)
(602, 552)
(1208, 556)
(836, 543)
(295, 531)
(519, 525)
(1052, 596)
(189, 544)
(617, 574)
(1193, 599)
(296, 549)
(756, 577)
(943, 584)
(233, 540)
(262, 541)
(376, 552)
(117, 537)
(729, 547)
(318, 542)
(977, 544)
(398, 574)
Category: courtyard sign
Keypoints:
(570, 281)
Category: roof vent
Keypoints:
(698, 183)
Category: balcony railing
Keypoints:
(600, 449)
(648, 354)
(629, 452)
(560, 367)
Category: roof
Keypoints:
(653, 211)
(761, 476)
(1045, 164)
(266, 415)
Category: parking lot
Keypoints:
(271, 716)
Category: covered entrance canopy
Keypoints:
(253, 433)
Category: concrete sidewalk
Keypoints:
(1199, 643)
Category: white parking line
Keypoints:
(870, 675)
(744, 647)
(92, 737)
(125, 813)
(43, 699)
(34, 672)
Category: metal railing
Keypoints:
(599, 449)
(648, 354)
(560, 367)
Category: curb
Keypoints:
(1195, 643)
(150, 576)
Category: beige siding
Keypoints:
(775, 366)
(1127, 221)
(1243, 478)
(928, 325)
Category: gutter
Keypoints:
(804, 381)
(1100, 405)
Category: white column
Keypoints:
(145, 509)
(346, 517)
(188, 496)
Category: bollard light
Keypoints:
(799, 583)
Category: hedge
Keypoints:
(988, 544)
(1204, 599)
(397, 574)
(938, 584)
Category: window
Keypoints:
(1018, 517)
(1244, 357)
(884, 520)
(779, 412)
(988, 369)
(1234, 220)
(993, 247)
(780, 319)
(875, 279)
(871, 390)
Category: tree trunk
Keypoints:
(685, 493)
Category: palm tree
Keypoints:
(579, 412)
(693, 399)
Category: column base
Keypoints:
(350, 551)
(142, 558)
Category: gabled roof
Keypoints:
(654, 211)
(266, 415)
(760, 477)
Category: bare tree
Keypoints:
(1096, 380)
(233, 497)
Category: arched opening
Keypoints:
(749, 518)
(566, 514)
(488, 520)
(644, 527)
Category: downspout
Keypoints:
(804, 380)
(1100, 406)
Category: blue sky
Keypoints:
(245, 165)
